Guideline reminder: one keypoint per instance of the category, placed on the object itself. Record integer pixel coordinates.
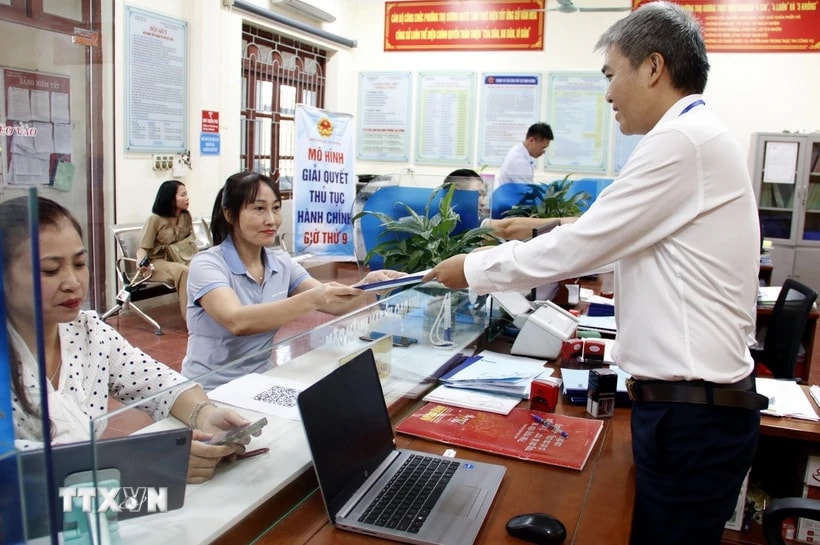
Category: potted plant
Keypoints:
(417, 242)
(550, 201)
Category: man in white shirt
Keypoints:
(679, 225)
(519, 163)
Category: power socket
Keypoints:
(162, 162)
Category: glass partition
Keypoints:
(25, 459)
(432, 325)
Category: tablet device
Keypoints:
(407, 280)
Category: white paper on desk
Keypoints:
(473, 399)
(598, 323)
(497, 366)
(262, 393)
(578, 379)
(786, 398)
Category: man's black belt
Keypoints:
(739, 394)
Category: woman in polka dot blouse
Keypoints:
(86, 361)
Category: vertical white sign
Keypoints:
(324, 185)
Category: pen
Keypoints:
(252, 453)
(549, 425)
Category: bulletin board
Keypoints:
(35, 121)
(579, 116)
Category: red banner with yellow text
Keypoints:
(756, 26)
(477, 25)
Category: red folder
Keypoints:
(517, 435)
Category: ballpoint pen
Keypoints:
(549, 425)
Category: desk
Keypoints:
(247, 497)
(595, 504)
(273, 498)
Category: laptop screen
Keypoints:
(347, 427)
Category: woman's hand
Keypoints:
(380, 276)
(213, 420)
(204, 457)
(333, 297)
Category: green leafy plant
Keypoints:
(417, 242)
(550, 201)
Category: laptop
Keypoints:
(155, 461)
(356, 461)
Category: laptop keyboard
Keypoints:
(407, 500)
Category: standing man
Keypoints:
(519, 163)
(680, 226)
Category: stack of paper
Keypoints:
(473, 399)
(498, 373)
(767, 295)
(786, 398)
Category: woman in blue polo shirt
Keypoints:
(241, 291)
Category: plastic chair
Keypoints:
(781, 509)
(132, 287)
(785, 330)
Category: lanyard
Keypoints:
(698, 102)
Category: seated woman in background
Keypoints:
(512, 228)
(86, 361)
(242, 290)
(169, 222)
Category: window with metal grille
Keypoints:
(277, 74)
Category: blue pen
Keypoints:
(549, 425)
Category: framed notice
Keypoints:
(156, 82)
(384, 116)
(579, 116)
(510, 103)
(444, 128)
(780, 162)
(35, 127)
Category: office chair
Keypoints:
(781, 509)
(132, 287)
(778, 357)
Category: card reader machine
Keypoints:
(542, 330)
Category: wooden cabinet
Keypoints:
(786, 176)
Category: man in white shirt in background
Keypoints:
(679, 224)
(519, 163)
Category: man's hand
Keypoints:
(449, 272)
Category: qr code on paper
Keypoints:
(278, 395)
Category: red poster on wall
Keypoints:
(478, 25)
(756, 26)
(210, 121)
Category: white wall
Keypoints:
(750, 92)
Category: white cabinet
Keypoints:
(787, 186)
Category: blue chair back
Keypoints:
(508, 195)
(390, 200)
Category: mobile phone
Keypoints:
(398, 340)
(237, 435)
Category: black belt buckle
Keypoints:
(632, 388)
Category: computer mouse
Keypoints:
(538, 528)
